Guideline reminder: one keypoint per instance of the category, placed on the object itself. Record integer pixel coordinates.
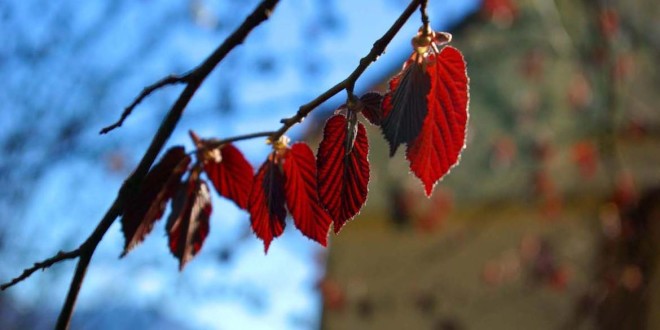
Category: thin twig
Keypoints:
(213, 143)
(425, 16)
(167, 126)
(349, 83)
(169, 80)
(41, 265)
(86, 251)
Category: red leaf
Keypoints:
(437, 148)
(301, 193)
(266, 202)
(231, 175)
(148, 205)
(372, 107)
(405, 106)
(188, 224)
(342, 179)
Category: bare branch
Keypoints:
(213, 143)
(86, 250)
(169, 80)
(60, 256)
(349, 83)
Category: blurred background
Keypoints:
(550, 220)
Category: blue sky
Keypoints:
(81, 68)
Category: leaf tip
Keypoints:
(337, 227)
(323, 240)
(428, 188)
(393, 149)
(266, 245)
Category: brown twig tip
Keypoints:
(425, 16)
(169, 80)
(60, 256)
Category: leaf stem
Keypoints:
(214, 143)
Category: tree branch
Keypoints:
(349, 83)
(41, 265)
(169, 80)
(214, 143)
(86, 251)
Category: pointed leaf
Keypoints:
(188, 224)
(301, 193)
(437, 148)
(342, 179)
(148, 205)
(231, 175)
(372, 107)
(405, 106)
(266, 202)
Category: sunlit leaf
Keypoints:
(266, 202)
(231, 174)
(301, 193)
(342, 178)
(442, 138)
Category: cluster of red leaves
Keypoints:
(188, 223)
(317, 191)
(426, 108)
(288, 177)
(287, 180)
